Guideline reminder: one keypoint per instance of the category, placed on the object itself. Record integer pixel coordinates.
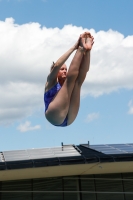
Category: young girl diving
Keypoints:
(62, 89)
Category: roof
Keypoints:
(66, 160)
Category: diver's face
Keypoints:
(62, 72)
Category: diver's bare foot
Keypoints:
(89, 41)
(86, 41)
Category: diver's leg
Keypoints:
(75, 97)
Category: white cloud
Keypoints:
(130, 105)
(27, 127)
(91, 117)
(28, 50)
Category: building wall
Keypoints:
(89, 187)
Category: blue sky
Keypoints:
(32, 35)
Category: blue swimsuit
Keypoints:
(48, 97)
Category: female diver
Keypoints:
(62, 89)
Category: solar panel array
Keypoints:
(113, 148)
(64, 151)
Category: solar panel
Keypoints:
(53, 152)
(17, 155)
(112, 148)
